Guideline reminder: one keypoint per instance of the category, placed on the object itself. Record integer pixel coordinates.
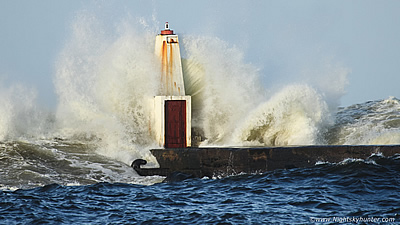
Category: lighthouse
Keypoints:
(172, 117)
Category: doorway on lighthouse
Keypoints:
(175, 124)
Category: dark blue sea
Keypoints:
(353, 191)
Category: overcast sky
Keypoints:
(282, 38)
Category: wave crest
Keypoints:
(297, 115)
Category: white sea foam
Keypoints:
(233, 109)
(223, 86)
(297, 115)
(376, 122)
(105, 85)
(20, 115)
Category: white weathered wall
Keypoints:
(168, 51)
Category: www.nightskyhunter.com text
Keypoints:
(348, 219)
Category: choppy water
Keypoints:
(352, 189)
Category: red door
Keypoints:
(175, 124)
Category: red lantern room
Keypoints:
(167, 31)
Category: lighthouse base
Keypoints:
(172, 125)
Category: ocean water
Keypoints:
(71, 165)
(353, 191)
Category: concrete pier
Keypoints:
(209, 162)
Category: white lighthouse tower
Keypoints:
(172, 108)
(167, 49)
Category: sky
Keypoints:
(286, 40)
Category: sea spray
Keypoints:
(374, 122)
(6, 111)
(223, 86)
(297, 115)
(227, 95)
(105, 85)
(21, 117)
(329, 79)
